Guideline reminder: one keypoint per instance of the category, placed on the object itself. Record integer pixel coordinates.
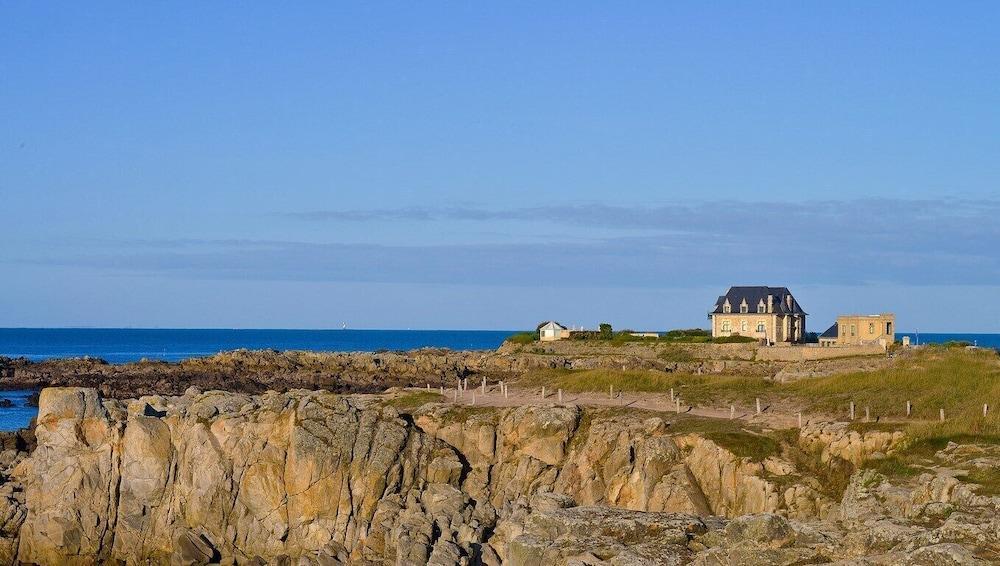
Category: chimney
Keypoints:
(770, 303)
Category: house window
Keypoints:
(760, 326)
(854, 330)
(726, 326)
(743, 326)
(743, 309)
(871, 328)
(726, 308)
(760, 307)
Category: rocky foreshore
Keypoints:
(256, 371)
(313, 477)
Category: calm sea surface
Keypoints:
(118, 345)
(981, 340)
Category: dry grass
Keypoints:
(957, 380)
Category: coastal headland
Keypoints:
(631, 456)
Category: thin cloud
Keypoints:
(925, 242)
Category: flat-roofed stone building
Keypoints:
(861, 329)
(770, 314)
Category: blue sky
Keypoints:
(463, 165)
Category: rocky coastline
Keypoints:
(314, 477)
(256, 371)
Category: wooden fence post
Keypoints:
(909, 407)
(677, 403)
(611, 391)
(852, 410)
(671, 393)
(543, 392)
(758, 405)
(473, 397)
(442, 390)
(942, 415)
(560, 396)
(484, 386)
(868, 416)
(800, 419)
(986, 408)
(732, 412)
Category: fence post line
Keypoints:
(677, 404)
(560, 396)
(867, 414)
(852, 410)
(456, 396)
(505, 396)
(800, 419)
(942, 415)
(543, 392)
(758, 405)
(909, 407)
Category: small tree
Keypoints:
(606, 332)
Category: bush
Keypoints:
(606, 332)
(523, 338)
(734, 339)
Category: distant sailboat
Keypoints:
(343, 326)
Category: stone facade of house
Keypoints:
(861, 329)
(769, 314)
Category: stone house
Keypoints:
(551, 331)
(770, 314)
(861, 329)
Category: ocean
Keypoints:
(118, 345)
(981, 340)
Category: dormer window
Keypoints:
(727, 308)
(761, 308)
(788, 299)
(744, 309)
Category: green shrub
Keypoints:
(606, 332)
(734, 339)
(523, 338)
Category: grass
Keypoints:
(692, 388)
(892, 466)
(523, 338)
(409, 402)
(988, 480)
(675, 354)
(957, 380)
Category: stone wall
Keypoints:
(814, 352)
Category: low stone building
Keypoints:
(551, 331)
(770, 314)
(861, 329)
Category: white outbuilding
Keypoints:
(551, 331)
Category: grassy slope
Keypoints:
(956, 380)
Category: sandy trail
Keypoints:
(519, 396)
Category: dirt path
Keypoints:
(517, 397)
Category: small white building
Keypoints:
(551, 331)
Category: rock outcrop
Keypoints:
(311, 477)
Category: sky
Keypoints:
(479, 165)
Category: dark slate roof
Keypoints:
(831, 332)
(753, 296)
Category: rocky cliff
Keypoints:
(311, 477)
